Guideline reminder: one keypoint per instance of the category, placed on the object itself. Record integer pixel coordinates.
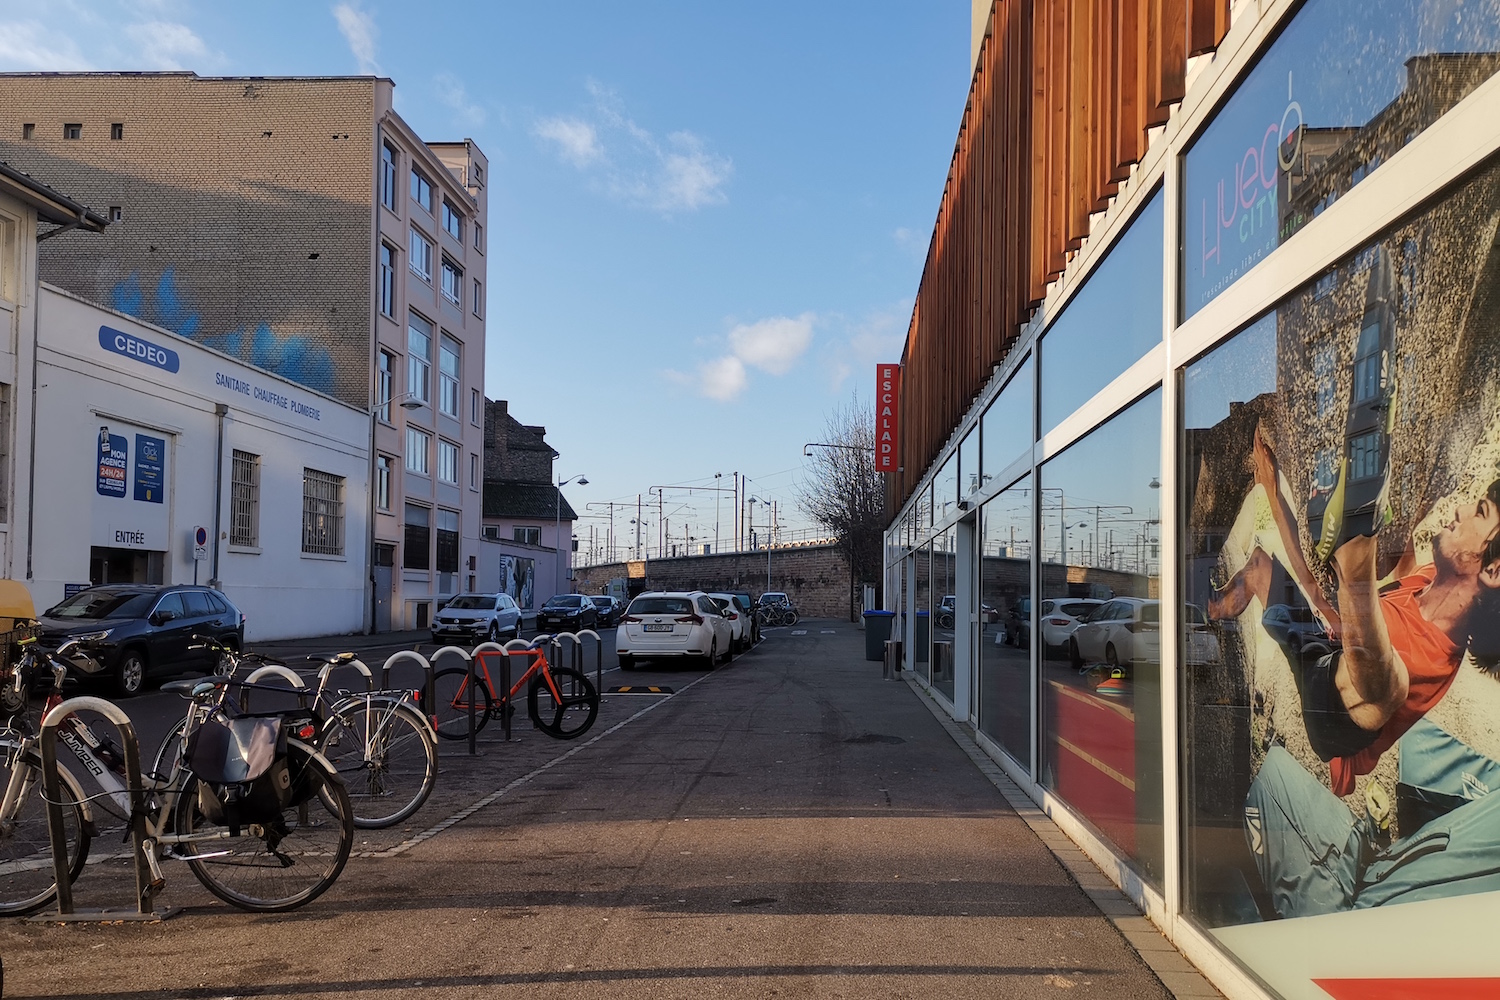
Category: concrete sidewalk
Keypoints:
(788, 825)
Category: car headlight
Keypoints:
(92, 636)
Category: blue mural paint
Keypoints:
(126, 295)
(174, 313)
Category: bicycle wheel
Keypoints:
(280, 865)
(570, 717)
(383, 751)
(26, 874)
(452, 696)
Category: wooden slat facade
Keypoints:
(1062, 96)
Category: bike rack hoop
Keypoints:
(52, 790)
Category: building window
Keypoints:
(5, 475)
(244, 499)
(447, 541)
(528, 536)
(421, 190)
(418, 444)
(417, 554)
(453, 223)
(383, 482)
(28, 131)
(385, 381)
(478, 299)
(116, 213)
(473, 470)
(420, 256)
(388, 159)
(479, 237)
(491, 531)
(117, 130)
(453, 282)
(322, 513)
(387, 280)
(1364, 456)
(73, 131)
(448, 461)
(474, 407)
(418, 358)
(448, 376)
(478, 175)
(1368, 361)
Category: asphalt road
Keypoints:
(787, 825)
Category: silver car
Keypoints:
(470, 619)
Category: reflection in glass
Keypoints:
(1007, 424)
(944, 557)
(968, 463)
(1346, 85)
(1101, 663)
(1341, 496)
(1113, 320)
(1005, 621)
(921, 638)
(945, 490)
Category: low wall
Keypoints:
(815, 576)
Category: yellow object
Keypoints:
(15, 602)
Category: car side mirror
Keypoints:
(162, 617)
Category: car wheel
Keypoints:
(1110, 656)
(130, 675)
(1074, 654)
(495, 632)
(223, 665)
(627, 663)
(1294, 644)
(713, 654)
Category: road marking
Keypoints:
(501, 792)
(828, 631)
(799, 631)
(639, 689)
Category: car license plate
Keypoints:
(658, 628)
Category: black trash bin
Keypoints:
(877, 631)
(921, 638)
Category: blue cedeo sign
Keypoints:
(147, 353)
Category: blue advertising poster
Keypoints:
(113, 455)
(150, 455)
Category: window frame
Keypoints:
(445, 450)
(388, 265)
(421, 190)
(452, 284)
(418, 445)
(450, 384)
(419, 363)
(322, 513)
(409, 529)
(419, 250)
(452, 221)
(244, 499)
(385, 384)
(384, 465)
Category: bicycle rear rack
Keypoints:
(52, 790)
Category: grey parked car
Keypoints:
(1293, 627)
(475, 618)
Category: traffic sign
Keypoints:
(200, 543)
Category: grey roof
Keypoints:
(52, 206)
(539, 501)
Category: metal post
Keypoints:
(505, 705)
(473, 683)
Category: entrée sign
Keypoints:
(887, 415)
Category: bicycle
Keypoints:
(266, 858)
(777, 614)
(561, 701)
(379, 742)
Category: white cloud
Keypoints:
(358, 29)
(576, 141)
(772, 345)
(633, 166)
(450, 90)
(167, 45)
(722, 379)
(28, 45)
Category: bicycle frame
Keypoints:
(539, 663)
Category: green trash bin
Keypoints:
(877, 631)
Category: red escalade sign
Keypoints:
(887, 413)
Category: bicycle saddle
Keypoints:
(332, 659)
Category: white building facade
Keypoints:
(159, 460)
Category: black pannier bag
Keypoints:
(243, 771)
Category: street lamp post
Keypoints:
(557, 528)
(753, 502)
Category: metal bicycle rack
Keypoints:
(412, 656)
(52, 790)
(473, 679)
(598, 656)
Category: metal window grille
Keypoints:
(4, 452)
(322, 513)
(244, 499)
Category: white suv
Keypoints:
(474, 618)
(678, 624)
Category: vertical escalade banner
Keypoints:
(887, 415)
(1341, 486)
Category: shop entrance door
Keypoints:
(107, 565)
(385, 563)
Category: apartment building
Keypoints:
(300, 225)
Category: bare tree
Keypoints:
(845, 494)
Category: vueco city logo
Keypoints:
(147, 353)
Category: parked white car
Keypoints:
(470, 619)
(673, 625)
(1061, 615)
(1128, 630)
(739, 623)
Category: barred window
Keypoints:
(415, 553)
(4, 452)
(244, 499)
(322, 513)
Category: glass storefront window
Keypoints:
(1113, 320)
(1005, 620)
(1341, 583)
(968, 464)
(1344, 87)
(944, 610)
(945, 489)
(921, 637)
(1007, 425)
(1098, 630)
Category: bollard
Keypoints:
(52, 790)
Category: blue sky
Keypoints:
(707, 220)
